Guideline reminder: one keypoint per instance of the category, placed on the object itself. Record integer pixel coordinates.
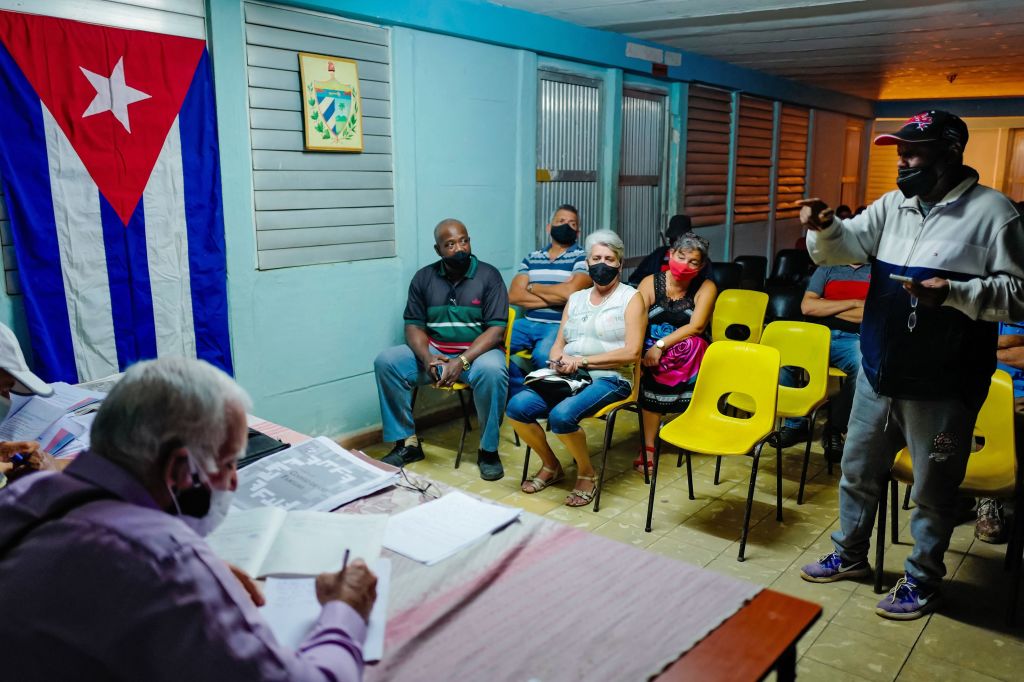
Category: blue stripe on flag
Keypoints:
(131, 301)
(204, 215)
(26, 176)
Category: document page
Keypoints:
(245, 537)
(310, 542)
(436, 530)
(292, 608)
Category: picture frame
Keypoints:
(332, 112)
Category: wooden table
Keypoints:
(759, 638)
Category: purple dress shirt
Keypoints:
(117, 589)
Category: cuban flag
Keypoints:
(108, 153)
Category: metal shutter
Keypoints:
(317, 207)
(752, 201)
(568, 149)
(641, 174)
(175, 17)
(708, 130)
(792, 181)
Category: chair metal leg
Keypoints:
(609, 429)
(689, 475)
(679, 462)
(807, 458)
(880, 543)
(415, 392)
(654, 482)
(750, 501)
(643, 455)
(906, 497)
(718, 468)
(465, 428)
(778, 484)
(894, 500)
(515, 438)
(526, 465)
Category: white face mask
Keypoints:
(220, 504)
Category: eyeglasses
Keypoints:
(912, 320)
(427, 490)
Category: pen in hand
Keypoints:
(344, 561)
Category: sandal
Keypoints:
(539, 483)
(638, 463)
(586, 495)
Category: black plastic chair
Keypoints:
(755, 271)
(727, 276)
(784, 304)
(791, 267)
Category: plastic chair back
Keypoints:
(728, 367)
(792, 266)
(992, 470)
(726, 275)
(754, 271)
(804, 345)
(784, 304)
(739, 307)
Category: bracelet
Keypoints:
(465, 363)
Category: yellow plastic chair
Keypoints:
(608, 413)
(728, 367)
(459, 387)
(804, 345)
(738, 307)
(992, 471)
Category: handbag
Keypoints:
(553, 387)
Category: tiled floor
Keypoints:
(967, 641)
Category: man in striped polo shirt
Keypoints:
(455, 321)
(543, 283)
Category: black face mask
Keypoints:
(457, 263)
(918, 181)
(602, 273)
(564, 234)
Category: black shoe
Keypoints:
(833, 443)
(490, 465)
(787, 437)
(403, 454)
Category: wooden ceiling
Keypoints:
(877, 49)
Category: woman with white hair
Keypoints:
(601, 333)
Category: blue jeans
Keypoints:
(397, 371)
(844, 353)
(527, 406)
(537, 337)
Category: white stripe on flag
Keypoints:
(83, 259)
(167, 251)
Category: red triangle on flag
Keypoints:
(115, 93)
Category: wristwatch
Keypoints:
(660, 343)
(465, 363)
(584, 362)
(529, 287)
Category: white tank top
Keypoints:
(591, 329)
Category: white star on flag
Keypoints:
(112, 94)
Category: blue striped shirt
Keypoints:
(543, 270)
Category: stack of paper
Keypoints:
(436, 530)
(292, 609)
(60, 422)
(270, 541)
(318, 474)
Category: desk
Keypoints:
(547, 601)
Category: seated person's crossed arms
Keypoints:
(601, 332)
(455, 321)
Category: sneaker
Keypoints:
(403, 454)
(991, 526)
(832, 442)
(490, 465)
(907, 601)
(788, 437)
(831, 567)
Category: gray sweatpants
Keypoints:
(939, 435)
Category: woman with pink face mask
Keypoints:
(679, 304)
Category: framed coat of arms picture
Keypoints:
(332, 119)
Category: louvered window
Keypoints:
(754, 160)
(709, 115)
(792, 160)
